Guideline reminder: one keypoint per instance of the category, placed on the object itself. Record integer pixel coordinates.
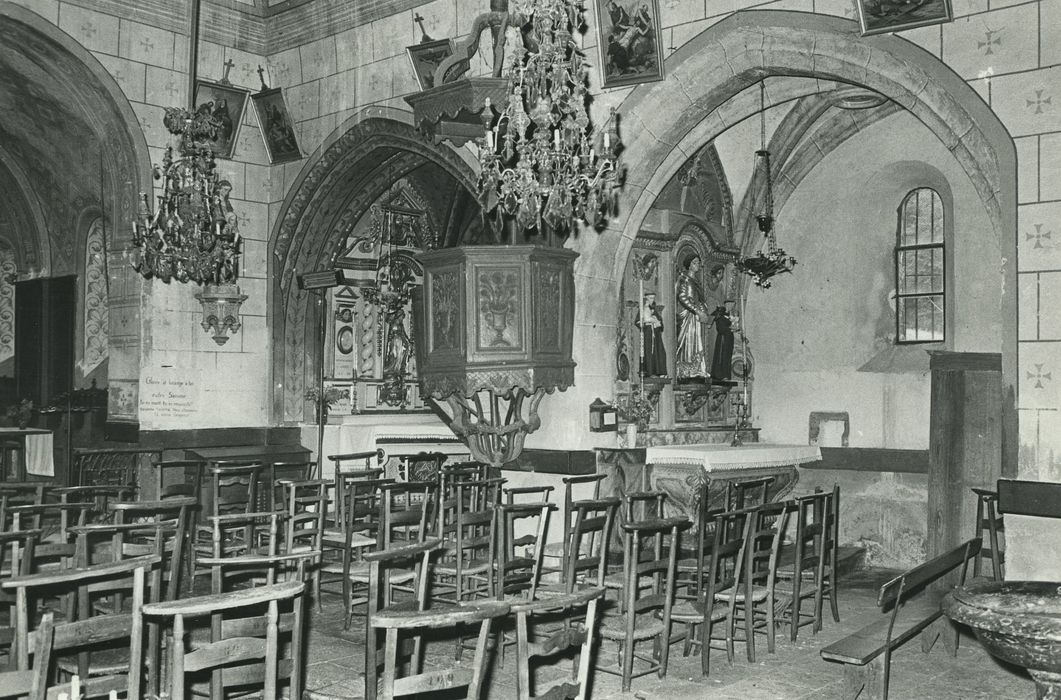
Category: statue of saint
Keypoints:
(722, 360)
(693, 316)
(653, 354)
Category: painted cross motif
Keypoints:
(1039, 376)
(171, 89)
(1039, 102)
(991, 40)
(147, 45)
(88, 29)
(1039, 235)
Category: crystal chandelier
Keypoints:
(540, 165)
(193, 235)
(770, 260)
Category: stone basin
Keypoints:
(1018, 622)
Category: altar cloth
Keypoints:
(719, 457)
(37, 444)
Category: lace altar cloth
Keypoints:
(715, 457)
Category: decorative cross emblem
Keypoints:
(991, 40)
(229, 64)
(1039, 235)
(147, 45)
(1039, 376)
(1039, 102)
(88, 29)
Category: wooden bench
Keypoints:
(909, 606)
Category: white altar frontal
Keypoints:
(397, 434)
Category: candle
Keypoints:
(744, 342)
(640, 313)
(556, 139)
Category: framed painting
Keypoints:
(631, 41)
(881, 16)
(426, 57)
(227, 103)
(277, 129)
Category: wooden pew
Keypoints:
(907, 609)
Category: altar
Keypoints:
(680, 471)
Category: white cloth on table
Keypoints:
(39, 460)
(714, 457)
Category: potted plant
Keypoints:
(331, 395)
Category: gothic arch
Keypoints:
(344, 176)
(80, 147)
(742, 49)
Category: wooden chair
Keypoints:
(423, 466)
(280, 473)
(55, 547)
(755, 598)
(518, 560)
(989, 518)
(228, 534)
(100, 497)
(84, 634)
(587, 558)
(32, 683)
(171, 542)
(649, 597)
(143, 534)
(398, 621)
(20, 493)
(357, 533)
(467, 526)
(728, 535)
(558, 551)
(745, 493)
(405, 514)
(579, 611)
(16, 551)
(636, 506)
(233, 489)
(382, 566)
(306, 510)
(188, 479)
(803, 565)
(691, 569)
(247, 651)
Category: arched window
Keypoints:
(919, 269)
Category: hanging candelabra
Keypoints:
(542, 165)
(771, 259)
(193, 234)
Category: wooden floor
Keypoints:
(795, 671)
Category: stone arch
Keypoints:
(80, 146)
(354, 165)
(746, 47)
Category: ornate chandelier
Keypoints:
(770, 260)
(540, 165)
(193, 236)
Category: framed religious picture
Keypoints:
(881, 16)
(277, 129)
(226, 103)
(631, 41)
(426, 57)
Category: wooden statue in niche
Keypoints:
(694, 317)
(653, 352)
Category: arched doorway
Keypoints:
(373, 166)
(72, 162)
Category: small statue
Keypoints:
(722, 360)
(653, 353)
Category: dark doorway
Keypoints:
(45, 322)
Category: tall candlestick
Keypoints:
(744, 342)
(640, 315)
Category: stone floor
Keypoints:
(795, 671)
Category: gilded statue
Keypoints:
(693, 320)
